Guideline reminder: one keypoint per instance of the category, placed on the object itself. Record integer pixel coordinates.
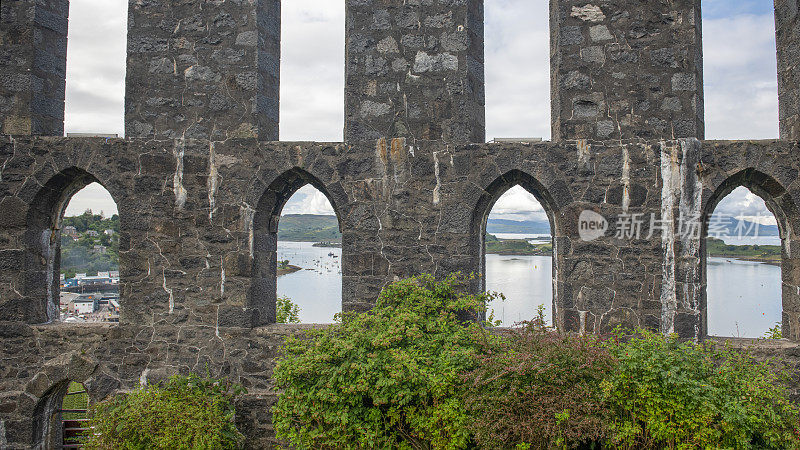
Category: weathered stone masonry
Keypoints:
(200, 182)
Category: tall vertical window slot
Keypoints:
(740, 69)
(517, 61)
(312, 71)
(89, 258)
(309, 253)
(96, 53)
(743, 268)
(519, 258)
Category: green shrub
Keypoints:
(287, 311)
(540, 389)
(668, 394)
(389, 378)
(187, 412)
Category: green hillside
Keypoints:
(308, 228)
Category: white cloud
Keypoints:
(741, 77)
(94, 197)
(308, 200)
(96, 48)
(517, 40)
(518, 204)
(312, 70)
(743, 204)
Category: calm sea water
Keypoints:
(744, 298)
(317, 291)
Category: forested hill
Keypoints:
(86, 251)
(308, 228)
(318, 228)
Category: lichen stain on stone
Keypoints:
(589, 13)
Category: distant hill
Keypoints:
(308, 228)
(319, 228)
(518, 226)
(747, 228)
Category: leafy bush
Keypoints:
(540, 389)
(188, 412)
(668, 394)
(389, 378)
(287, 311)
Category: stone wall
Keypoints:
(626, 70)
(33, 57)
(414, 71)
(200, 186)
(787, 25)
(203, 70)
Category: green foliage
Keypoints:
(667, 394)
(539, 388)
(187, 412)
(775, 332)
(287, 311)
(389, 378)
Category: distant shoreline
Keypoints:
(288, 270)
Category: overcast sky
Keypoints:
(740, 82)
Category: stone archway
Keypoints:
(265, 239)
(481, 215)
(43, 242)
(781, 205)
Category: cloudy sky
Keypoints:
(517, 76)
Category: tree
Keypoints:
(287, 311)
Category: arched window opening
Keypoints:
(309, 258)
(312, 74)
(80, 283)
(517, 62)
(61, 417)
(740, 71)
(743, 268)
(296, 242)
(74, 416)
(89, 269)
(96, 54)
(519, 258)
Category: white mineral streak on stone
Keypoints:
(3, 438)
(212, 182)
(48, 247)
(216, 325)
(690, 216)
(626, 179)
(582, 315)
(247, 215)
(177, 181)
(589, 13)
(438, 189)
(669, 180)
(222, 278)
(168, 291)
(143, 377)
